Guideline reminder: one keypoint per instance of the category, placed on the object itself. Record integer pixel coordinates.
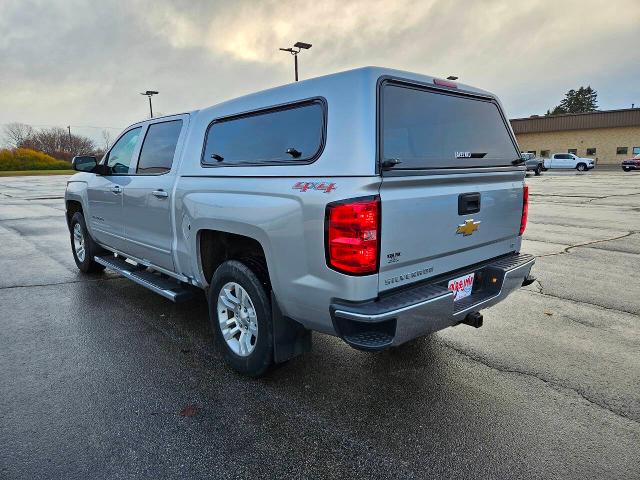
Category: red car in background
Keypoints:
(631, 164)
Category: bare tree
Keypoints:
(54, 141)
(106, 138)
(15, 134)
(57, 142)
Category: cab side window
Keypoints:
(290, 134)
(119, 157)
(159, 148)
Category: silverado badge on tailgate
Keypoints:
(468, 227)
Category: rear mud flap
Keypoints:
(290, 338)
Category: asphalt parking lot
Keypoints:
(100, 378)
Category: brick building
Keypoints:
(609, 136)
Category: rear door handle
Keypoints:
(116, 189)
(468, 203)
(160, 193)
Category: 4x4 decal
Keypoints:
(322, 186)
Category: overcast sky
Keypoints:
(84, 63)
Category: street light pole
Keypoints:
(149, 94)
(292, 50)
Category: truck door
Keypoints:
(565, 160)
(551, 162)
(147, 201)
(104, 192)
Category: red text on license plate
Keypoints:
(461, 286)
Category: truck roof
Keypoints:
(314, 86)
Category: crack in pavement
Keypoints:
(59, 283)
(586, 244)
(592, 197)
(43, 198)
(555, 385)
(580, 301)
(540, 291)
(611, 196)
(563, 196)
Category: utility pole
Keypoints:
(69, 129)
(300, 46)
(149, 94)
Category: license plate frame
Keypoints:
(462, 286)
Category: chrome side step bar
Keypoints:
(167, 287)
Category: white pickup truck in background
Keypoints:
(568, 160)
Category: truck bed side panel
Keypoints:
(288, 223)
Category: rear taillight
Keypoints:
(525, 209)
(352, 233)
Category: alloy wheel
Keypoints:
(238, 319)
(78, 242)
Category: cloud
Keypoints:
(81, 62)
(251, 30)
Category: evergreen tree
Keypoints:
(577, 101)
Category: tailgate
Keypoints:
(424, 235)
(454, 196)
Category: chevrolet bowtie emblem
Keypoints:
(468, 227)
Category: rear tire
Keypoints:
(240, 315)
(581, 167)
(83, 247)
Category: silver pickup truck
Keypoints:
(374, 205)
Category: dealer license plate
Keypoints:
(461, 286)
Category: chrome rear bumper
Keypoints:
(409, 313)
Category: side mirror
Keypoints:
(84, 163)
(102, 169)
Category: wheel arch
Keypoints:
(215, 246)
(72, 207)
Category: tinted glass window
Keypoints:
(120, 154)
(426, 129)
(159, 147)
(288, 135)
(563, 156)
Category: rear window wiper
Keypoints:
(294, 152)
(517, 161)
(217, 157)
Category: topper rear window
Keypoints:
(289, 134)
(425, 128)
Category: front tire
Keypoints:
(83, 247)
(538, 170)
(581, 167)
(626, 169)
(240, 315)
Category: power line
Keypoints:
(73, 126)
